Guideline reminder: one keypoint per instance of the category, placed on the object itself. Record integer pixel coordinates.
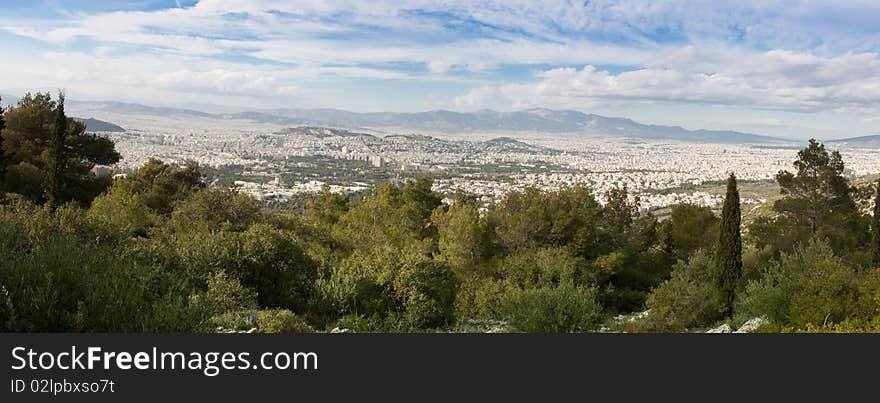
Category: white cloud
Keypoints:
(772, 80)
(476, 97)
(812, 56)
(223, 81)
(439, 67)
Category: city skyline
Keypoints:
(793, 69)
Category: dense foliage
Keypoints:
(159, 250)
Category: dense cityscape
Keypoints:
(273, 162)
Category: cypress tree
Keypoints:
(57, 155)
(728, 251)
(875, 229)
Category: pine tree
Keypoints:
(728, 251)
(57, 155)
(875, 229)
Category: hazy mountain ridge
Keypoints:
(95, 125)
(529, 120)
(869, 141)
(562, 122)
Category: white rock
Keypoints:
(752, 324)
(725, 328)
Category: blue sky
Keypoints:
(791, 68)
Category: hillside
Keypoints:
(95, 125)
(870, 141)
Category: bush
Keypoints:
(772, 294)
(122, 214)
(687, 299)
(566, 308)
(421, 289)
(544, 267)
(226, 294)
(281, 321)
(481, 299)
(65, 284)
(427, 288)
(268, 260)
(827, 293)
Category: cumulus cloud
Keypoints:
(476, 97)
(772, 80)
(223, 81)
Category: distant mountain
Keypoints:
(126, 108)
(563, 122)
(488, 121)
(870, 141)
(95, 125)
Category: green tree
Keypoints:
(728, 252)
(392, 217)
(325, 208)
(875, 229)
(57, 154)
(619, 210)
(427, 289)
(163, 186)
(691, 227)
(50, 155)
(564, 217)
(214, 210)
(817, 199)
(464, 238)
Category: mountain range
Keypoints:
(536, 120)
(562, 122)
(870, 141)
(489, 121)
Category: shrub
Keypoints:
(544, 267)
(566, 308)
(65, 284)
(481, 299)
(687, 299)
(827, 293)
(226, 294)
(771, 295)
(427, 288)
(281, 321)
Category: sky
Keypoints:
(792, 68)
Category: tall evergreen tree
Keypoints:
(875, 229)
(728, 251)
(817, 196)
(57, 154)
